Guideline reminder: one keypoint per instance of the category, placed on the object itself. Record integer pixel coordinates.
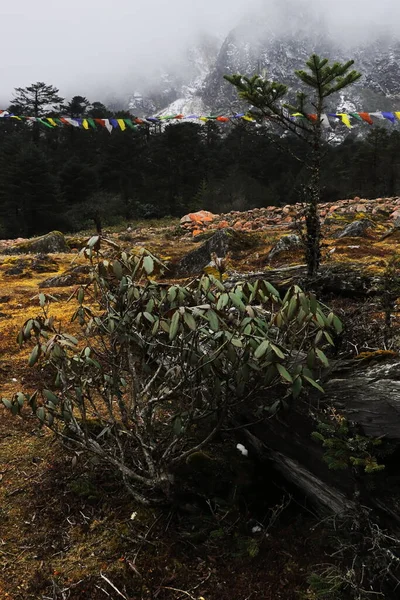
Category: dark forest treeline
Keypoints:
(65, 177)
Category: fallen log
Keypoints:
(368, 395)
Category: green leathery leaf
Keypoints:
(213, 320)
(305, 303)
(236, 301)
(313, 304)
(51, 397)
(262, 348)
(337, 323)
(189, 320)
(177, 427)
(41, 414)
(174, 325)
(93, 241)
(28, 328)
(277, 351)
(297, 387)
(217, 283)
(284, 373)
(329, 339)
(172, 293)
(222, 301)
(34, 355)
(32, 401)
(20, 398)
(148, 264)
(292, 308)
(237, 342)
(322, 357)
(117, 268)
(271, 290)
(314, 383)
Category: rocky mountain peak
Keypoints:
(277, 43)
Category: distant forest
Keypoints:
(67, 178)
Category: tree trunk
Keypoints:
(313, 225)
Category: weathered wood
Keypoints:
(368, 395)
(337, 279)
(325, 498)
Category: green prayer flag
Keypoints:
(44, 123)
(130, 124)
(92, 123)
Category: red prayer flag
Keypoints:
(100, 122)
(366, 117)
(223, 119)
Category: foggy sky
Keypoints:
(95, 48)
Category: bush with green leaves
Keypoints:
(345, 448)
(157, 369)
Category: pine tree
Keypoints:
(77, 107)
(323, 80)
(37, 99)
(28, 197)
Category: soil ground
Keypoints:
(67, 535)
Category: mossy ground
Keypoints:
(63, 531)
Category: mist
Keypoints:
(100, 49)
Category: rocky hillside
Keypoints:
(272, 44)
(384, 210)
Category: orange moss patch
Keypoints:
(377, 355)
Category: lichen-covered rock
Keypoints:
(76, 276)
(42, 263)
(52, 242)
(356, 229)
(194, 262)
(76, 242)
(287, 242)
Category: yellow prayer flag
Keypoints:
(121, 123)
(397, 115)
(85, 124)
(297, 115)
(52, 121)
(203, 119)
(345, 119)
(247, 118)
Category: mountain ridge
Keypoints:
(258, 47)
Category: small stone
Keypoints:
(222, 224)
(287, 242)
(355, 229)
